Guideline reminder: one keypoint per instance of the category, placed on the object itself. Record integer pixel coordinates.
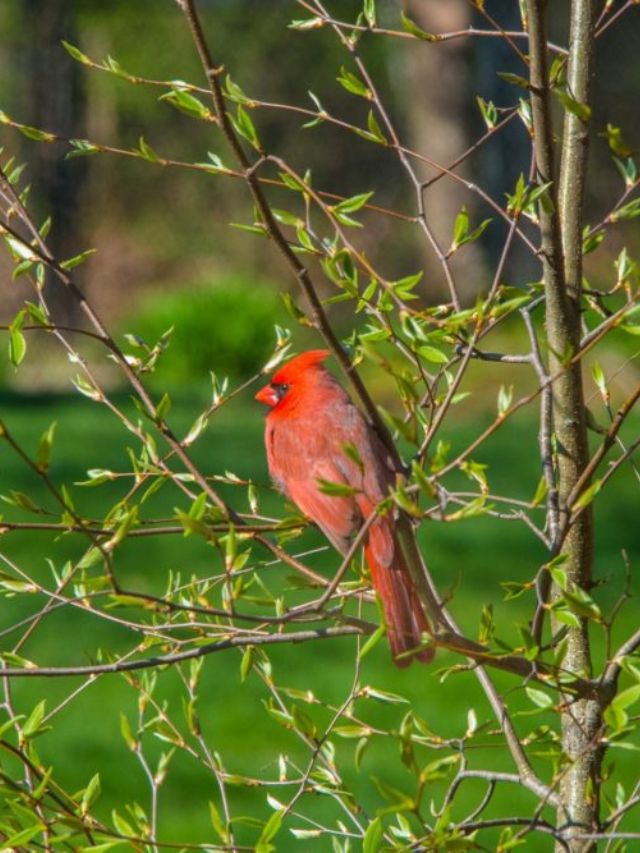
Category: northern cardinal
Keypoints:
(310, 423)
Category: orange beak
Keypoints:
(267, 395)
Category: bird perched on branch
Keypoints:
(328, 460)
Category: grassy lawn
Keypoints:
(469, 559)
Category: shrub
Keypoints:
(225, 326)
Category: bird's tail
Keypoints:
(406, 620)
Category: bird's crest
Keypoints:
(299, 365)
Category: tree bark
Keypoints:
(55, 93)
(438, 84)
(561, 239)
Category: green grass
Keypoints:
(469, 558)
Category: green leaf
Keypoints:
(44, 448)
(336, 489)
(235, 92)
(539, 697)
(375, 131)
(410, 26)
(187, 103)
(199, 426)
(433, 354)
(32, 724)
(373, 641)
(369, 11)
(17, 347)
(514, 79)
(404, 287)
(91, 793)
(571, 105)
(585, 498)
(35, 133)
(352, 452)
(489, 112)
(70, 263)
(383, 696)
(245, 127)
(76, 53)
(353, 84)
(269, 832)
(591, 241)
(127, 734)
(627, 211)
(460, 228)
(350, 205)
(627, 697)
(246, 663)
(217, 823)
(163, 407)
(22, 837)
(628, 170)
(505, 397)
(307, 24)
(353, 731)
(541, 491)
(147, 152)
(613, 135)
(372, 837)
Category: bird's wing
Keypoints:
(298, 460)
(336, 515)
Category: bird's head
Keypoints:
(291, 378)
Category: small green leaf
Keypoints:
(351, 205)
(433, 354)
(17, 347)
(375, 130)
(186, 103)
(23, 837)
(372, 837)
(627, 211)
(245, 127)
(539, 697)
(147, 152)
(163, 407)
(307, 24)
(505, 397)
(369, 11)
(373, 641)
(353, 84)
(32, 724)
(585, 498)
(235, 92)
(35, 133)
(514, 79)
(81, 148)
(44, 448)
(336, 489)
(571, 105)
(70, 263)
(127, 734)
(76, 53)
(410, 26)
(91, 793)
(269, 831)
(489, 112)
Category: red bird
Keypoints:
(311, 422)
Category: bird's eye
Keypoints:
(281, 389)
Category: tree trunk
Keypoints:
(561, 233)
(438, 92)
(56, 97)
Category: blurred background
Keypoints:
(166, 256)
(161, 232)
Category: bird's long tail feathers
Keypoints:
(406, 620)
